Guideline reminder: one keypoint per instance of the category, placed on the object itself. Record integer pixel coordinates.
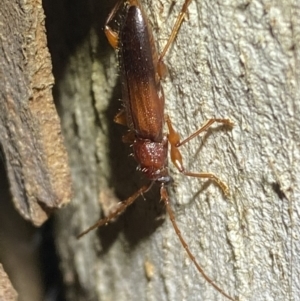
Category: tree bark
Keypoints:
(230, 60)
(7, 292)
(34, 171)
(31, 142)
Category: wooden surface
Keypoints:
(231, 59)
(31, 141)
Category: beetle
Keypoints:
(141, 70)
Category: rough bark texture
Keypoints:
(235, 59)
(30, 134)
(7, 292)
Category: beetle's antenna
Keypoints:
(121, 208)
(165, 197)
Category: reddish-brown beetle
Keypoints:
(141, 72)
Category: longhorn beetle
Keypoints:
(141, 71)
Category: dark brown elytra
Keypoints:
(141, 71)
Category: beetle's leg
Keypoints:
(208, 124)
(120, 117)
(112, 36)
(176, 157)
(176, 28)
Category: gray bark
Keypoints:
(237, 60)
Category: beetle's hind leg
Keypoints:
(176, 157)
